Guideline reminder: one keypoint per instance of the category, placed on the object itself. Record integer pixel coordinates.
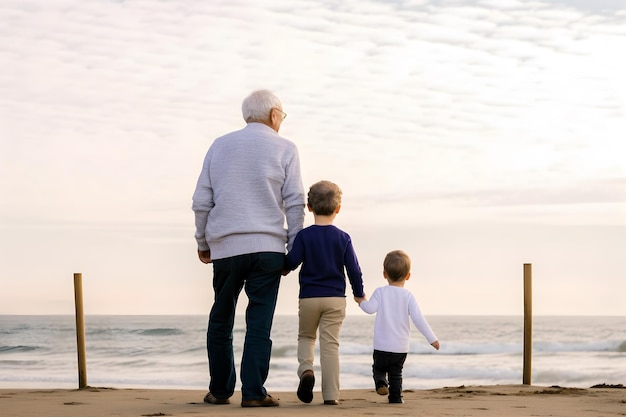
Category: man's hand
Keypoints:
(205, 256)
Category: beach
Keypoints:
(491, 400)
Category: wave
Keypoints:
(285, 351)
(515, 348)
(469, 349)
(159, 332)
(201, 348)
(599, 346)
(19, 348)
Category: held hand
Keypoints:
(435, 344)
(359, 300)
(205, 256)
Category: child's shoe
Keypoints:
(381, 388)
(305, 388)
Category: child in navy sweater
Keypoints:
(325, 252)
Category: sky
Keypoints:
(476, 135)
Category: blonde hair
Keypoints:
(397, 265)
(324, 197)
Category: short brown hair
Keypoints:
(397, 265)
(324, 197)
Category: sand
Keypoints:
(494, 400)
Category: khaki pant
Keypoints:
(327, 314)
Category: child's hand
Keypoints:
(359, 300)
(435, 344)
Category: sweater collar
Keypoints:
(257, 126)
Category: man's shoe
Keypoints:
(305, 388)
(382, 390)
(331, 402)
(210, 399)
(268, 401)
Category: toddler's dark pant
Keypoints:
(389, 364)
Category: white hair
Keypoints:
(257, 106)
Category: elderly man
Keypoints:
(249, 184)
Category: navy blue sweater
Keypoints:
(324, 252)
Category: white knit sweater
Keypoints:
(393, 307)
(249, 184)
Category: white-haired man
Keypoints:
(249, 184)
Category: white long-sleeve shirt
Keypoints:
(392, 329)
(249, 185)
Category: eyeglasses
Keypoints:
(281, 112)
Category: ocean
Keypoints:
(169, 352)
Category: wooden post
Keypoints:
(528, 323)
(80, 330)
